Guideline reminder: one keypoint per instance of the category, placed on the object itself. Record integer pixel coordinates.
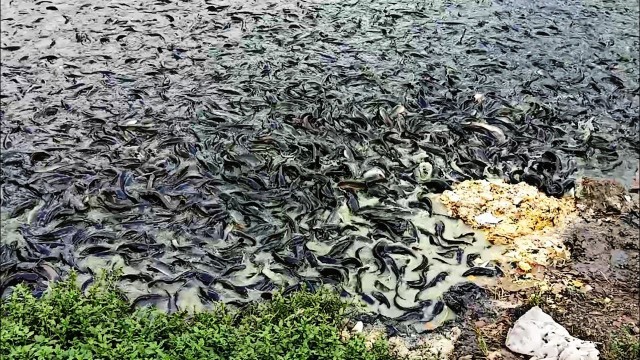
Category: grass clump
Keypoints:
(622, 346)
(482, 343)
(536, 299)
(65, 323)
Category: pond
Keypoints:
(220, 151)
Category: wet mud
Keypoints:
(595, 295)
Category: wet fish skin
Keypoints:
(208, 295)
(421, 282)
(20, 277)
(352, 203)
(351, 262)
(424, 264)
(136, 277)
(341, 247)
(433, 282)
(146, 298)
(336, 274)
(471, 259)
(206, 279)
(359, 273)
(378, 254)
(480, 271)
(438, 307)
(240, 290)
(366, 298)
(423, 203)
(398, 250)
(381, 298)
(288, 261)
(380, 286)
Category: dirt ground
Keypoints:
(595, 295)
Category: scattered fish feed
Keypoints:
(526, 221)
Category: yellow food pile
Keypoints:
(518, 216)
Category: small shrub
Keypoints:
(67, 324)
(622, 346)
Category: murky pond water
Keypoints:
(221, 151)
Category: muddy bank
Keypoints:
(595, 295)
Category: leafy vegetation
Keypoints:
(66, 323)
(536, 299)
(622, 346)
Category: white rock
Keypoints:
(478, 97)
(358, 327)
(487, 219)
(537, 335)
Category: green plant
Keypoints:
(535, 299)
(622, 346)
(67, 324)
(482, 343)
